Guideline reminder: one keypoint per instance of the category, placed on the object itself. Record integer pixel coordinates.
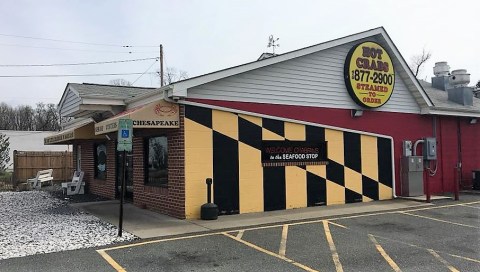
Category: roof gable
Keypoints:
(84, 100)
(180, 89)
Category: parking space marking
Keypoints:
(473, 207)
(302, 266)
(424, 248)
(161, 240)
(336, 224)
(325, 222)
(442, 260)
(384, 254)
(283, 241)
(333, 249)
(439, 220)
(240, 234)
(111, 261)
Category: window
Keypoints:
(100, 161)
(156, 161)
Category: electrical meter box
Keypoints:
(412, 176)
(430, 149)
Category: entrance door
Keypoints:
(128, 176)
(79, 158)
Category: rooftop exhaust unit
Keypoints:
(454, 83)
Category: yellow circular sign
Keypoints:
(369, 75)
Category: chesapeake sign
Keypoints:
(369, 75)
(159, 114)
(287, 153)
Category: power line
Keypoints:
(65, 41)
(72, 64)
(144, 72)
(76, 49)
(70, 75)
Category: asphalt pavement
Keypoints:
(444, 236)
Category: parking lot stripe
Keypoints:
(384, 254)
(420, 247)
(442, 260)
(338, 225)
(302, 266)
(283, 241)
(161, 240)
(111, 261)
(333, 249)
(473, 207)
(240, 234)
(439, 220)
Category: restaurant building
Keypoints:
(323, 125)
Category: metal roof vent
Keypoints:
(459, 78)
(441, 69)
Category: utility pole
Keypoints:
(161, 65)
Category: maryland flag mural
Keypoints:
(315, 165)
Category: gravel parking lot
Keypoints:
(36, 222)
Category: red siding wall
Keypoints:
(400, 126)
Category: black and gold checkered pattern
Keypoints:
(227, 147)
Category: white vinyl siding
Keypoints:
(70, 104)
(311, 80)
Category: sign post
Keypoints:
(124, 139)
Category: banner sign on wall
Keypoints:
(288, 153)
(369, 75)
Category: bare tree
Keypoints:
(4, 152)
(418, 61)
(120, 82)
(172, 75)
(6, 113)
(46, 117)
(24, 118)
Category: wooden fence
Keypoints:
(26, 164)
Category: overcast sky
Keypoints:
(205, 36)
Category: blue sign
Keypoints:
(125, 135)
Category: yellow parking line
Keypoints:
(283, 242)
(473, 207)
(442, 260)
(111, 261)
(336, 224)
(161, 240)
(430, 206)
(384, 254)
(304, 267)
(424, 248)
(333, 249)
(439, 220)
(240, 234)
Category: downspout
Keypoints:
(459, 146)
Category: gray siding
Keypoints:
(312, 80)
(70, 104)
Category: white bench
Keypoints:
(42, 176)
(76, 186)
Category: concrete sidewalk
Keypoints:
(147, 224)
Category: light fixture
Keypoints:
(472, 120)
(357, 113)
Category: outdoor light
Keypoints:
(357, 113)
(472, 120)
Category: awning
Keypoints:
(158, 114)
(83, 131)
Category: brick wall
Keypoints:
(105, 188)
(168, 200)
